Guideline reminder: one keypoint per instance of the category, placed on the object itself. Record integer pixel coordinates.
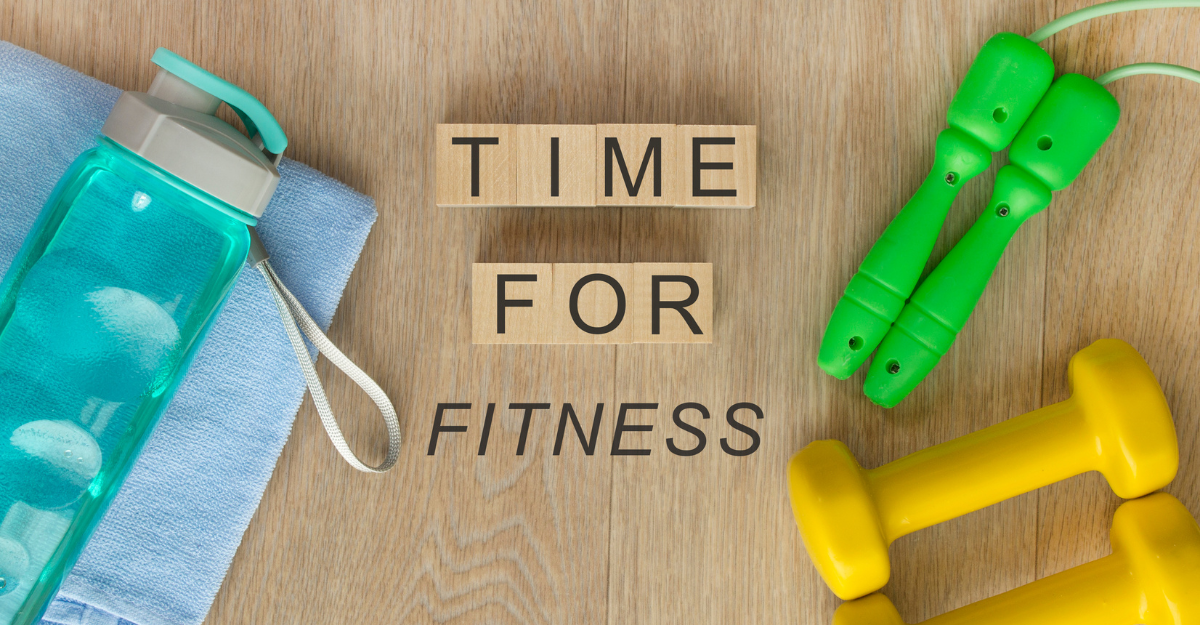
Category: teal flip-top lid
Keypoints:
(174, 125)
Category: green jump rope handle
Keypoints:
(1000, 91)
(1074, 119)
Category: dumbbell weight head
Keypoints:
(1160, 541)
(1118, 395)
(838, 519)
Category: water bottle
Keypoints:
(108, 301)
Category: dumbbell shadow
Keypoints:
(1116, 422)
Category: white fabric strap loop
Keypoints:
(296, 320)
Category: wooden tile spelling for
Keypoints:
(591, 303)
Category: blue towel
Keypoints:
(160, 553)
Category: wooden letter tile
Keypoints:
(555, 165)
(650, 156)
(669, 320)
(718, 166)
(603, 302)
(591, 303)
(475, 165)
(528, 295)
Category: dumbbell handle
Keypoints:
(1099, 592)
(1150, 578)
(973, 472)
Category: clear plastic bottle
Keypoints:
(107, 302)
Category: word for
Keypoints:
(610, 303)
(604, 165)
(694, 443)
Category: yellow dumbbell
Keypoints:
(1151, 578)
(1117, 422)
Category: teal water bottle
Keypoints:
(107, 302)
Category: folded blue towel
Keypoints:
(160, 553)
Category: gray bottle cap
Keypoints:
(174, 126)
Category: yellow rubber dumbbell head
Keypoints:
(838, 519)
(1117, 394)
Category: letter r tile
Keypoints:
(683, 313)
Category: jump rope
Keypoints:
(1053, 128)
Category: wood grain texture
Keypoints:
(596, 303)
(681, 309)
(476, 174)
(576, 167)
(726, 175)
(531, 288)
(637, 165)
(848, 98)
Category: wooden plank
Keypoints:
(1122, 259)
(456, 537)
(843, 141)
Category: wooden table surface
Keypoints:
(848, 97)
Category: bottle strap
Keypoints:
(296, 320)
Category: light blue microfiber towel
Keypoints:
(160, 553)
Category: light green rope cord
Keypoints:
(1149, 68)
(1106, 8)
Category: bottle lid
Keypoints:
(174, 125)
